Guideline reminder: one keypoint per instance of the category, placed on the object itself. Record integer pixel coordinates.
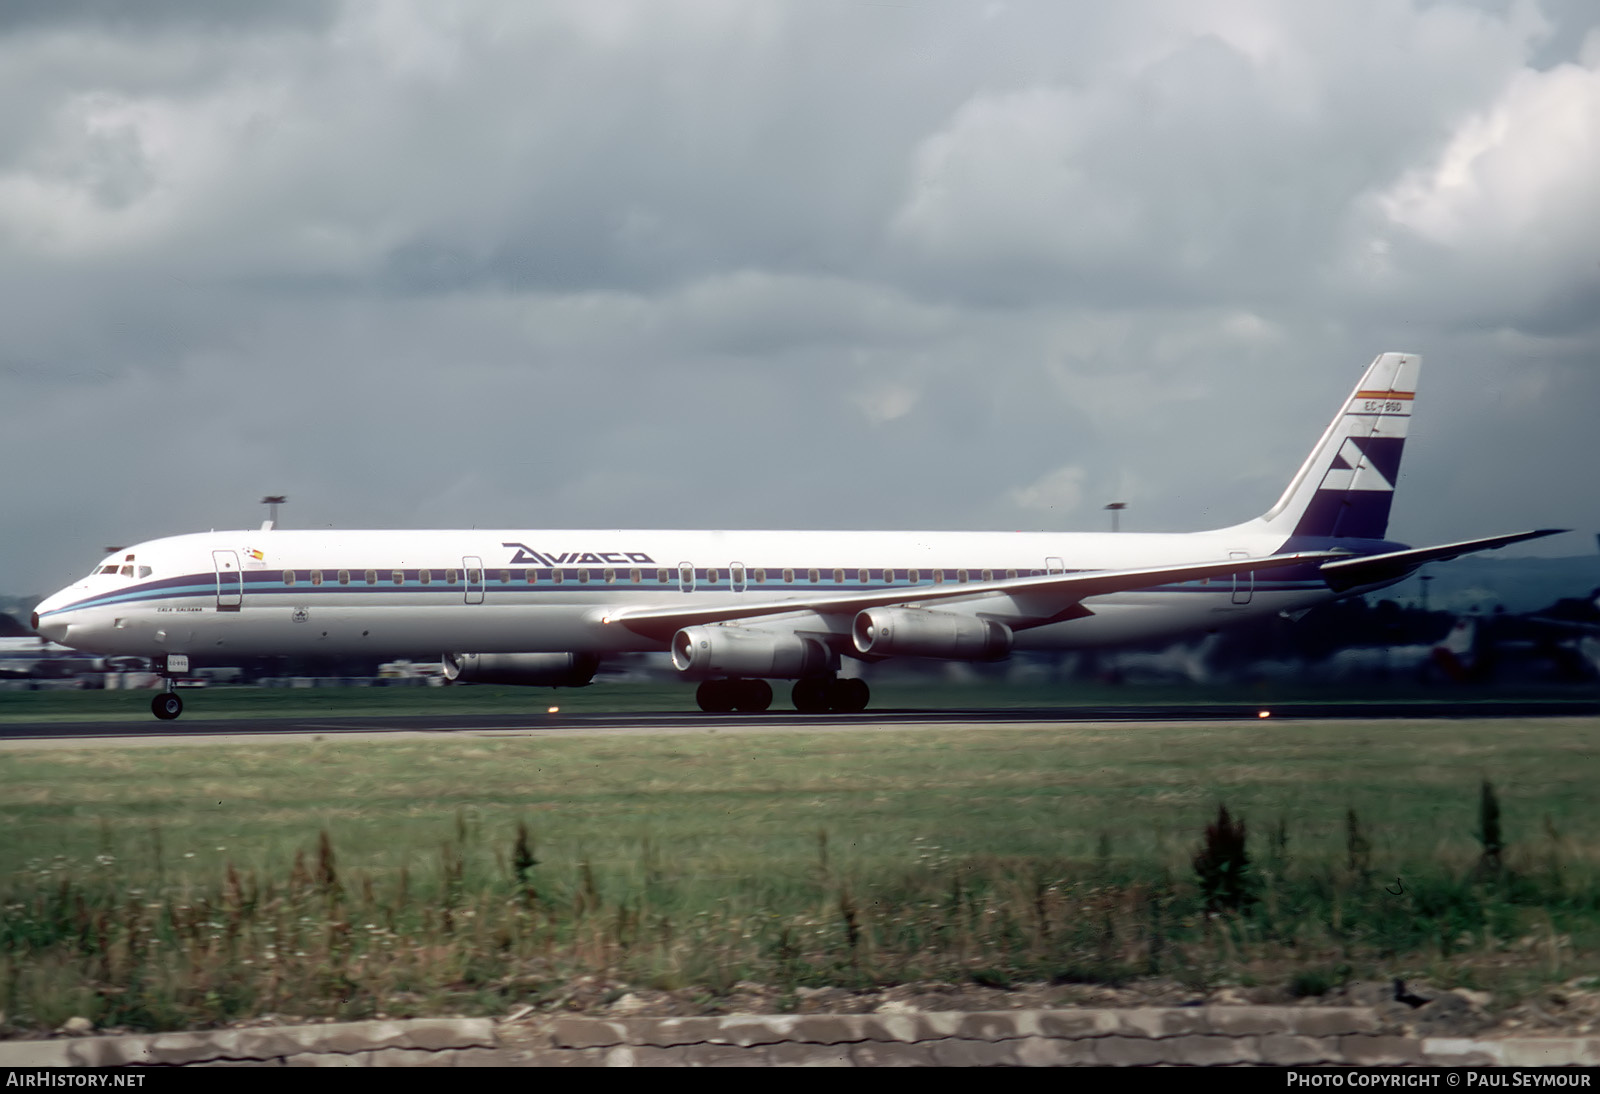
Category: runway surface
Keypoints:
(195, 726)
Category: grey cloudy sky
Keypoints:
(831, 263)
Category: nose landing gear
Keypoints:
(168, 705)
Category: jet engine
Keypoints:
(916, 632)
(703, 652)
(547, 670)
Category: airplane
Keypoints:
(737, 610)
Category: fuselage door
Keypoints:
(472, 570)
(1054, 565)
(1243, 584)
(736, 576)
(230, 580)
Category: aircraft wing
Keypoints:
(1348, 573)
(1035, 601)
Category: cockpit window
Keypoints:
(108, 569)
(127, 571)
(144, 571)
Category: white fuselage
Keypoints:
(384, 594)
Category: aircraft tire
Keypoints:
(849, 696)
(166, 706)
(715, 696)
(810, 694)
(752, 696)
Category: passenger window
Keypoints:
(888, 577)
(557, 576)
(531, 576)
(505, 577)
(938, 577)
(474, 577)
(583, 577)
(1010, 575)
(398, 577)
(633, 576)
(288, 577)
(814, 576)
(961, 576)
(316, 577)
(988, 575)
(788, 577)
(450, 577)
(914, 576)
(425, 576)
(761, 577)
(611, 577)
(661, 577)
(863, 577)
(372, 577)
(711, 577)
(838, 577)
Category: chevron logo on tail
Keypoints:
(1365, 463)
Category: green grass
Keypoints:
(169, 887)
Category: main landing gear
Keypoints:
(721, 696)
(820, 694)
(812, 695)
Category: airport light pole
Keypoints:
(273, 501)
(1115, 508)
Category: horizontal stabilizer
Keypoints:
(1350, 573)
(1059, 592)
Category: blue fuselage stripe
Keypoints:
(272, 584)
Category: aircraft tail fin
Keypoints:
(1345, 487)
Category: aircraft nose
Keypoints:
(49, 622)
(53, 629)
